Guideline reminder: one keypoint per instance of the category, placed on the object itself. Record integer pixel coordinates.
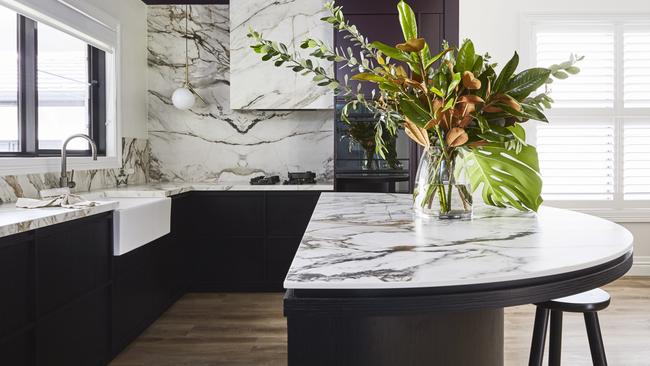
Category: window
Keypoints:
(52, 85)
(596, 149)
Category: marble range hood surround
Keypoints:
(261, 85)
(212, 142)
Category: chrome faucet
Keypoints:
(64, 181)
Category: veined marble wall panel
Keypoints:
(261, 85)
(212, 142)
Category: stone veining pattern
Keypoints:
(17, 220)
(211, 143)
(290, 22)
(360, 240)
(135, 155)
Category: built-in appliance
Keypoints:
(301, 178)
(357, 167)
(265, 181)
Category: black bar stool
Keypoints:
(588, 303)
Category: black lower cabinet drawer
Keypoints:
(77, 334)
(18, 350)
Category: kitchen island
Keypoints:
(371, 284)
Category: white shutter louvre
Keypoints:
(636, 63)
(594, 86)
(577, 162)
(636, 166)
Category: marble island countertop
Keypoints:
(374, 241)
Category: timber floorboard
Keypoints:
(207, 329)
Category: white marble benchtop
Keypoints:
(374, 241)
(172, 189)
(15, 220)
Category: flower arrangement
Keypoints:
(465, 114)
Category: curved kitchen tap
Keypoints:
(64, 181)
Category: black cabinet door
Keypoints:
(279, 254)
(287, 214)
(77, 334)
(228, 264)
(16, 284)
(238, 214)
(72, 259)
(132, 304)
(18, 350)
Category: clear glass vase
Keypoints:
(441, 186)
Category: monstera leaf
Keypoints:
(507, 178)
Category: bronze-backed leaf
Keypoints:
(412, 45)
(417, 134)
(508, 100)
(471, 82)
(456, 137)
(474, 99)
(431, 124)
(492, 109)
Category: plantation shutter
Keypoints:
(597, 144)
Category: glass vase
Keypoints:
(441, 187)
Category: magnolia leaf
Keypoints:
(465, 57)
(437, 92)
(505, 177)
(414, 112)
(412, 45)
(527, 82)
(506, 73)
(534, 113)
(407, 20)
(391, 52)
(435, 58)
(471, 82)
(456, 137)
(454, 83)
(416, 133)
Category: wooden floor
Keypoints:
(249, 329)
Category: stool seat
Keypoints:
(589, 301)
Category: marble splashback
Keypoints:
(135, 155)
(211, 142)
(289, 22)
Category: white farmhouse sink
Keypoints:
(139, 221)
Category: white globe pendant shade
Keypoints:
(183, 98)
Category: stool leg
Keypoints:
(595, 339)
(539, 337)
(555, 342)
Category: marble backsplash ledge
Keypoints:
(135, 156)
(212, 142)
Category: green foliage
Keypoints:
(454, 101)
(505, 177)
(407, 20)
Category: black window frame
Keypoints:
(27, 33)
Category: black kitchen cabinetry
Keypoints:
(56, 285)
(66, 300)
(245, 241)
(219, 241)
(149, 279)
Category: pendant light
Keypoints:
(184, 97)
